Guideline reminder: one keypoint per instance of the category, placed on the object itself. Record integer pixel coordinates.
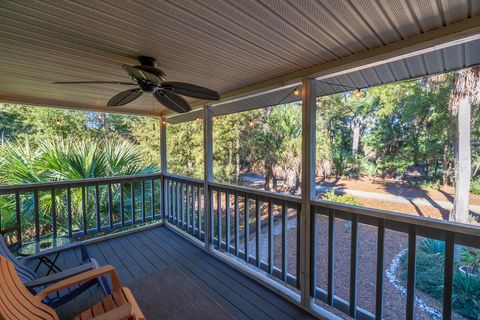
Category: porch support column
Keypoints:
(308, 185)
(163, 162)
(208, 173)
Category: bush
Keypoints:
(432, 185)
(475, 186)
(429, 276)
(369, 168)
(342, 198)
(466, 295)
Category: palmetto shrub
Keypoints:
(430, 262)
(66, 160)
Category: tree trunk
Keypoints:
(463, 163)
(356, 129)
(237, 158)
(445, 164)
(268, 175)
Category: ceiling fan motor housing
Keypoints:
(147, 61)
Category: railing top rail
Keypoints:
(261, 193)
(401, 217)
(7, 189)
(179, 177)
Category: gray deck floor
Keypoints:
(142, 253)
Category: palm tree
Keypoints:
(66, 160)
(466, 91)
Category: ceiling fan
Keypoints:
(148, 78)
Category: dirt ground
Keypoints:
(392, 187)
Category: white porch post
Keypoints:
(163, 162)
(308, 184)
(208, 172)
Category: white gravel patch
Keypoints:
(392, 278)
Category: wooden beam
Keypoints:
(36, 102)
(308, 184)
(163, 144)
(453, 34)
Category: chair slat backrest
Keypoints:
(16, 302)
(23, 271)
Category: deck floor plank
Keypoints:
(197, 279)
(142, 253)
(197, 257)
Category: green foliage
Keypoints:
(471, 258)
(185, 149)
(65, 160)
(433, 185)
(430, 262)
(466, 295)
(432, 247)
(475, 186)
(342, 198)
(369, 168)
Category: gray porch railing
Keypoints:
(412, 227)
(261, 228)
(79, 208)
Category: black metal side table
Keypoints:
(45, 243)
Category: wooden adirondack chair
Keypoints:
(17, 303)
(35, 283)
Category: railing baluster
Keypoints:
(110, 206)
(36, 215)
(219, 218)
(412, 245)
(199, 212)
(69, 212)
(177, 203)
(380, 269)
(187, 194)
(122, 204)
(18, 217)
(448, 275)
(132, 196)
(211, 232)
(171, 200)
(284, 240)
(142, 185)
(331, 256)
(227, 222)
(54, 212)
(194, 212)
(84, 211)
(152, 199)
(237, 223)
(270, 236)
(258, 226)
(313, 252)
(97, 207)
(353, 267)
(299, 210)
(182, 201)
(247, 228)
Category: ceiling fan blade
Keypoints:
(124, 97)
(191, 90)
(172, 101)
(139, 75)
(95, 82)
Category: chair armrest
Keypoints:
(80, 278)
(43, 281)
(125, 311)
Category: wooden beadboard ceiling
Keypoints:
(221, 44)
